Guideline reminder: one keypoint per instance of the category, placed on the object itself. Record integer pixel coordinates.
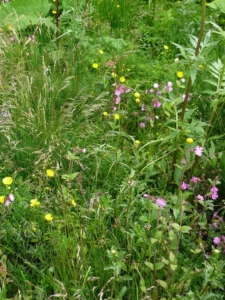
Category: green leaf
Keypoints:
(196, 251)
(159, 266)
(23, 13)
(173, 267)
(149, 265)
(176, 226)
(218, 5)
(162, 283)
(185, 229)
(193, 73)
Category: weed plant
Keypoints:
(112, 149)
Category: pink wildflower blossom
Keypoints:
(216, 240)
(184, 186)
(161, 202)
(156, 103)
(195, 179)
(200, 197)
(142, 124)
(198, 150)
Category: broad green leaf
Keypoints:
(218, 5)
(22, 13)
(162, 283)
(175, 226)
(173, 267)
(150, 265)
(159, 266)
(185, 229)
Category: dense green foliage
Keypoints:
(112, 149)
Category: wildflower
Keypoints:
(182, 80)
(143, 107)
(201, 67)
(101, 51)
(12, 39)
(180, 74)
(137, 100)
(10, 27)
(161, 202)
(194, 179)
(105, 114)
(34, 202)
(215, 225)
(11, 197)
(116, 116)
(157, 104)
(198, 151)
(137, 142)
(189, 140)
(183, 161)
(118, 6)
(95, 66)
(176, 59)
(50, 173)
(137, 95)
(184, 186)
(122, 79)
(169, 84)
(166, 47)
(127, 90)
(7, 180)
(84, 150)
(200, 197)
(120, 90)
(145, 195)
(114, 75)
(73, 203)
(54, 12)
(2, 199)
(48, 217)
(216, 240)
(142, 124)
(117, 100)
(214, 194)
(54, 0)
(155, 85)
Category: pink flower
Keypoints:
(214, 196)
(132, 183)
(169, 84)
(127, 90)
(142, 124)
(120, 90)
(113, 107)
(184, 186)
(170, 89)
(183, 161)
(216, 240)
(117, 100)
(84, 150)
(195, 179)
(145, 195)
(214, 189)
(147, 118)
(200, 197)
(215, 225)
(156, 103)
(151, 91)
(161, 202)
(198, 151)
(158, 92)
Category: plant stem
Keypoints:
(196, 54)
(57, 22)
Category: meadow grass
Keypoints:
(107, 191)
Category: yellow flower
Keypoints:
(137, 142)
(122, 79)
(137, 100)
(7, 180)
(118, 6)
(189, 140)
(201, 67)
(117, 117)
(2, 199)
(101, 51)
(95, 66)
(180, 74)
(166, 47)
(137, 95)
(73, 203)
(48, 217)
(128, 70)
(114, 75)
(10, 27)
(34, 202)
(176, 59)
(105, 114)
(50, 173)
(54, 12)
(54, 0)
